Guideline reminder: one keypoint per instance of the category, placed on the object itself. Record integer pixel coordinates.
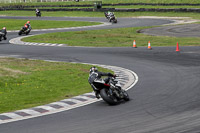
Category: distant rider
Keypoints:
(4, 32)
(37, 12)
(95, 76)
(107, 14)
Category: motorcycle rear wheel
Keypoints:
(27, 32)
(111, 100)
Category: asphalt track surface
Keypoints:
(186, 30)
(165, 99)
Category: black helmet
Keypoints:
(93, 69)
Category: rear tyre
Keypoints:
(105, 94)
(112, 21)
(27, 32)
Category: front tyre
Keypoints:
(126, 96)
(107, 97)
(20, 32)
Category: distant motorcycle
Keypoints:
(111, 92)
(2, 36)
(111, 17)
(25, 30)
(38, 13)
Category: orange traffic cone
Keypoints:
(149, 45)
(134, 44)
(177, 47)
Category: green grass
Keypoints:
(149, 6)
(28, 83)
(47, 3)
(122, 37)
(100, 14)
(16, 24)
(106, 2)
(54, 14)
(150, 1)
(124, 6)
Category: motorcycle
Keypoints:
(111, 17)
(110, 92)
(38, 14)
(24, 30)
(2, 36)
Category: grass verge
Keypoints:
(100, 14)
(34, 3)
(16, 24)
(27, 83)
(149, 6)
(122, 37)
(120, 6)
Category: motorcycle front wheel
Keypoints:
(107, 97)
(20, 32)
(126, 96)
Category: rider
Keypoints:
(37, 11)
(109, 13)
(95, 76)
(4, 31)
(27, 25)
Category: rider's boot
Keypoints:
(5, 38)
(97, 94)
